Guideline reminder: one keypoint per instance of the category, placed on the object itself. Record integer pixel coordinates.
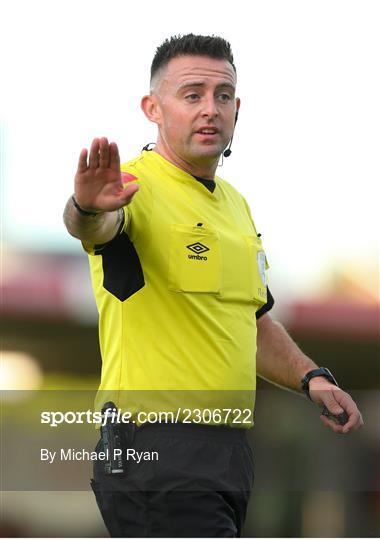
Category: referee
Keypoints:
(179, 277)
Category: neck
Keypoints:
(202, 169)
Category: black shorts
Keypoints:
(191, 481)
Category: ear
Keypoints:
(151, 108)
(237, 104)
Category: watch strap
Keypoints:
(81, 211)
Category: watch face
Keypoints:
(330, 376)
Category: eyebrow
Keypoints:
(200, 84)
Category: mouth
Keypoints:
(207, 134)
(208, 131)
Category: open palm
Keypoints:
(98, 182)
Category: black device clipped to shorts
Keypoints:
(111, 440)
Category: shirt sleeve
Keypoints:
(98, 247)
(94, 249)
(266, 307)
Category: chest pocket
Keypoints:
(260, 266)
(195, 261)
(244, 265)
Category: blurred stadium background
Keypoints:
(309, 134)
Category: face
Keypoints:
(194, 105)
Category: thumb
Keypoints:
(129, 186)
(128, 192)
(332, 403)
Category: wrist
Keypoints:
(319, 384)
(83, 211)
(322, 377)
(318, 381)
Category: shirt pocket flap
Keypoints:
(194, 264)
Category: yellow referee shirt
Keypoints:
(177, 291)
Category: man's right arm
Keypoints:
(95, 213)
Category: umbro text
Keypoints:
(198, 257)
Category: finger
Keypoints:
(114, 157)
(355, 419)
(82, 163)
(94, 154)
(332, 408)
(126, 194)
(336, 401)
(341, 418)
(131, 190)
(355, 422)
(104, 158)
(331, 424)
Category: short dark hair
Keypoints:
(190, 44)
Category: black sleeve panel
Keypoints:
(123, 274)
(266, 307)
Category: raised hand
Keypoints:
(99, 182)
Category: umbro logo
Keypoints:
(198, 248)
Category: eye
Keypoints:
(224, 98)
(192, 97)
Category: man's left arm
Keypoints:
(280, 361)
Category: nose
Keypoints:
(210, 108)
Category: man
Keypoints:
(178, 273)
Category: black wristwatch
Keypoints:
(81, 211)
(320, 372)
